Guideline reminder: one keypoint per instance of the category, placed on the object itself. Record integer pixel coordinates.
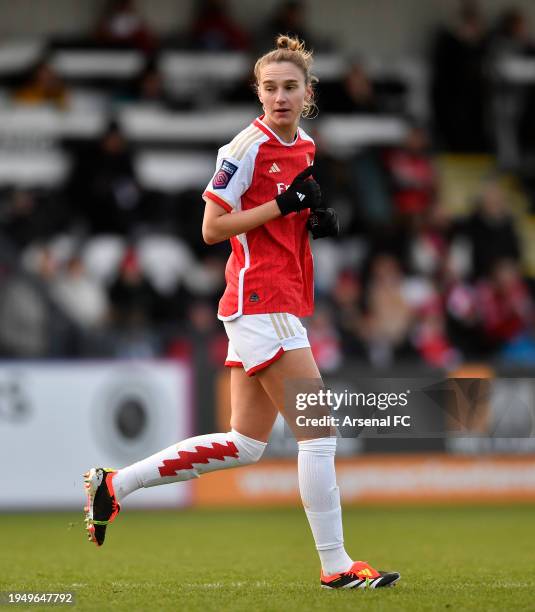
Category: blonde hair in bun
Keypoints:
(290, 49)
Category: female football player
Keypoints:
(263, 199)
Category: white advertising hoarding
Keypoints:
(59, 419)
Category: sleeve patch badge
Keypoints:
(223, 175)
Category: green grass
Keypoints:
(460, 558)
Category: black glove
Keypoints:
(302, 193)
(323, 222)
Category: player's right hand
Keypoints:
(323, 223)
(303, 193)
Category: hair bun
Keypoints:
(290, 43)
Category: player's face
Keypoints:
(282, 92)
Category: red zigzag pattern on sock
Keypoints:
(202, 454)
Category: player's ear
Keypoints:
(309, 93)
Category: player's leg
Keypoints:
(253, 413)
(317, 479)
(252, 419)
(251, 422)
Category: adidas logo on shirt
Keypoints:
(274, 168)
(301, 196)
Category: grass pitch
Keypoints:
(459, 558)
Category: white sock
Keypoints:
(189, 459)
(321, 500)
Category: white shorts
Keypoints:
(257, 340)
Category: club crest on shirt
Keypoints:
(223, 175)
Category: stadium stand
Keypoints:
(112, 142)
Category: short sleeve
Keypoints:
(231, 180)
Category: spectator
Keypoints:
(213, 28)
(79, 296)
(388, 314)
(150, 90)
(27, 216)
(512, 35)
(133, 302)
(44, 87)
(462, 320)
(355, 93)
(412, 174)
(514, 123)
(105, 187)
(132, 297)
(121, 25)
(459, 96)
(204, 279)
(40, 262)
(289, 19)
(430, 337)
(23, 308)
(504, 304)
(490, 230)
(346, 301)
(324, 340)
(428, 243)
(326, 169)
(207, 336)
(368, 191)
(242, 92)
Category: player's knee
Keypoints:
(249, 449)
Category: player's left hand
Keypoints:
(323, 222)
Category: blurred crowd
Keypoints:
(104, 267)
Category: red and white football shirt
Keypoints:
(270, 268)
